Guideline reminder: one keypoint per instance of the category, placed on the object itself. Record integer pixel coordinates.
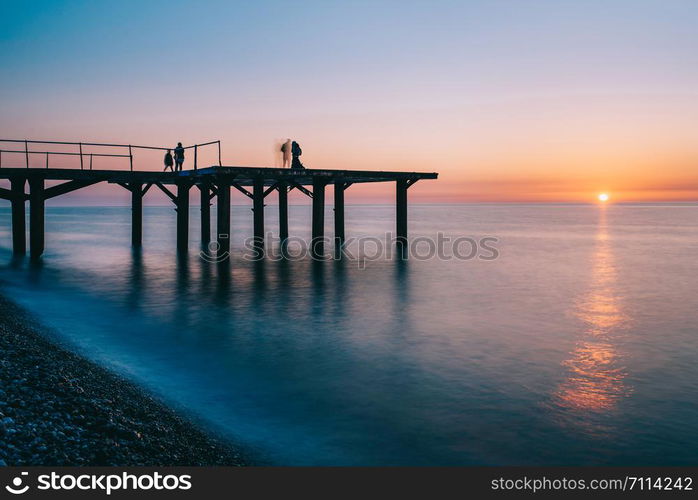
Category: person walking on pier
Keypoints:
(168, 160)
(296, 151)
(286, 151)
(179, 157)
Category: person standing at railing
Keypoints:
(179, 157)
(296, 152)
(168, 160)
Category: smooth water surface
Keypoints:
(577, 345)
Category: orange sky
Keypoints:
(548, 101)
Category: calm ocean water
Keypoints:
(578, 345)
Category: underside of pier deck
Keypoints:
(213, 183)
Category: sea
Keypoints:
(505, 334)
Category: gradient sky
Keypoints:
(507, 100)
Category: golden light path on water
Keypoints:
(596, 376)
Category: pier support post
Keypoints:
(401, 211)
(183, 188)
(19, 229)
(36, 217)
(283, 211)
(258, 210)
(339, 187)
(223, 209)
(317, 246)
(136, 189)
(205, 189)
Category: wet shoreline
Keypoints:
(57, 408)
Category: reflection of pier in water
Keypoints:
(595, 383)
(199, 295)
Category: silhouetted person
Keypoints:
(179, 157)
(296, 151)
(169, 162)
(286, 151)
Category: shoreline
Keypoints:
(60, 409)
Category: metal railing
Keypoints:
(84, 155)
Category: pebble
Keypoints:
(59, 409)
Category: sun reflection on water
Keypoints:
(596, 375)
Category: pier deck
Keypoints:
(243, 175)
(212, 182)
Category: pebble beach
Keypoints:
(59, 409)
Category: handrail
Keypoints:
(107, 145)
(204, 144)
(60, 153)
(81, 154)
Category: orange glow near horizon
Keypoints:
(508, 102)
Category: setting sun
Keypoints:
(603, 197)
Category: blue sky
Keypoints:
(477, 90)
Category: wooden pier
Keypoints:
(215, 182)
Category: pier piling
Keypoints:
(183, 188)
(282, 188)
(136, 214)
(19, 230)
(317, 245)
(205, 191)
(36, 217)
(401, 211)
(223, 212)
(339, 187)
(258, 209)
